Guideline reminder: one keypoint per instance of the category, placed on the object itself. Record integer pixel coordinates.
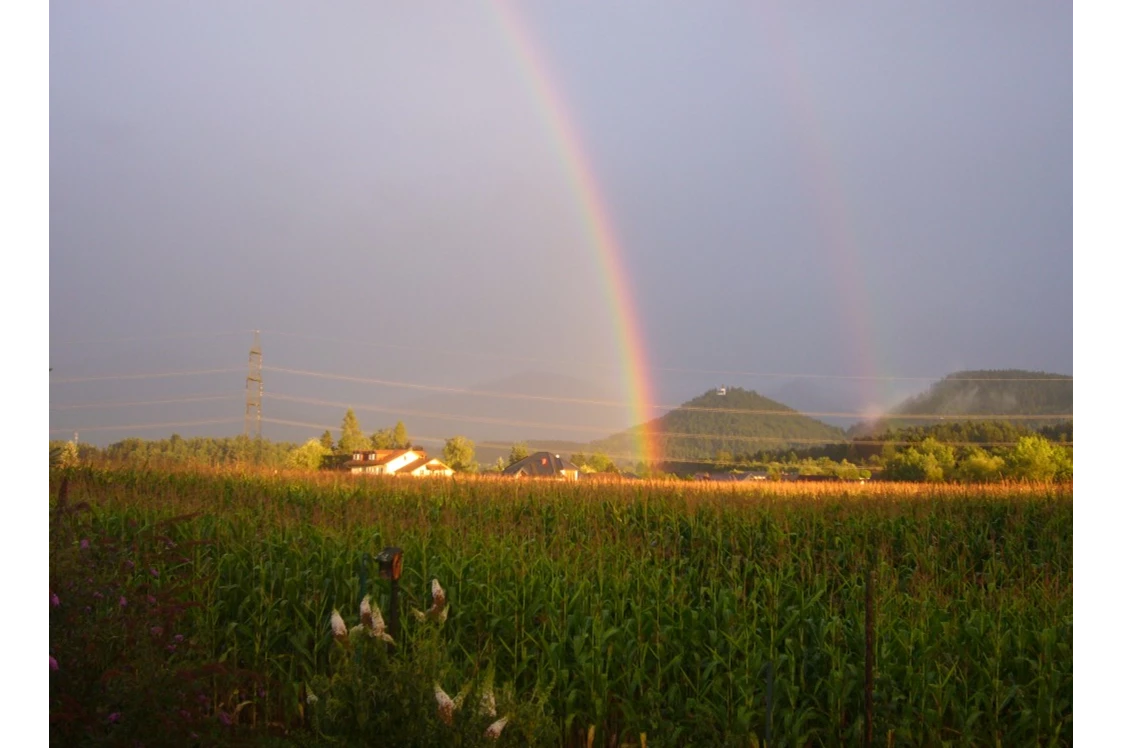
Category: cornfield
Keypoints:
(607, 614)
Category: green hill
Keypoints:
(740, 422)
(1019, 395)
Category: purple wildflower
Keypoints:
(154, 573)
(223, 717)
(157, 630)
(170, 647)
(185, 714)
(98, 595)
(84, 544)
(178, 638)
(123, 602)
(54, 600)
(129, 564)
(151, 600)
(54, 663)
(112, 718)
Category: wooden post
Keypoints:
(869, 657)
(768, 708)
(390, 567)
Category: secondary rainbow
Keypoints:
(594, 213)
(836, 217)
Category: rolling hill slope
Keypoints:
(739, 422)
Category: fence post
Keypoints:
(390, 567)
(768, 707)
(870, 577)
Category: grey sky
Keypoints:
(812, 188)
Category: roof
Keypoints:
(382, 456)
(431, 462)
(540, 463)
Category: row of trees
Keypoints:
(1032, 458)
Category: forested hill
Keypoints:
(740, 422)
(967, 394)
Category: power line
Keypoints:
(140, 338)
(653, 407)
(147, 426)
(680, 370)
(563, 427)
(187, 399)
(155, 375)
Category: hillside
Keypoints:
(968, 395)
(739, 422)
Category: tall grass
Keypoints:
(632, 609)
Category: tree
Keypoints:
(1032, 458)
(351, 434)
(308, 456)
(401, 437)
(326, 441)
(600, 463)
(460, 454)
(980, 467)
(382, 439)
(519, 451)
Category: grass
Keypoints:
(629, 611)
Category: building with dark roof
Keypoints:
(543, 465)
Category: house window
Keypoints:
(358, 456)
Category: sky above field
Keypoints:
(825, 202)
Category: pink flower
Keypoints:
(54, 664)
(157, 631)
(123, 602)
(223, 717)
(54, 600)
(154, 572)
(170, 647)
(98, 595)
(178, 638)
(151, 600)
(129, 564)
(112, 718)
(84, 545)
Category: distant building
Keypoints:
(426, 466)
(543, 465)
(413, 462)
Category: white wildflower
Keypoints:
(338, 627)
(495, 728)
(445, 705)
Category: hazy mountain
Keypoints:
(966, 395)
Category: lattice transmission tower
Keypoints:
(255, 389)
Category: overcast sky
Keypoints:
(852, 190)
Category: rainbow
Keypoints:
(635, 373)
